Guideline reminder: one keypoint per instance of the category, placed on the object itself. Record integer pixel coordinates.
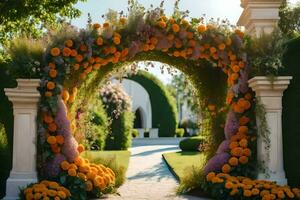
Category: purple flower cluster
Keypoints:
(231, 125)
(216, 162)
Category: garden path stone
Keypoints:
(148, 176)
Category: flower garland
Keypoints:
(108, 44)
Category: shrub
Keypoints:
(135, 133)
(191, 144)
(192, 180)
(164, 109)
(179, 132)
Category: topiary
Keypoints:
(179, 132)
(191, 144)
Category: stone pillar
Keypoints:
(259, 16)
(24, 98)
(270, 95)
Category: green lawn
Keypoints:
(181, 162)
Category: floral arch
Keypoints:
(212, 56)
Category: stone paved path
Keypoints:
(148, 177)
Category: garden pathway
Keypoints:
(148, 177)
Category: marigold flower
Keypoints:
(162, 24)
(243, 159)
(52, 73)
(116, 40)
(65, 165)
(238, 151)
(106, 25)
(247, 193)
(78, 161)
(244, 120)
(52, 65)
(226, 168)
(243, 143)
(80, 148)
(235, 68)
(48, 94)
(83, 48)
(72, 172)
(175, 28)
(243, 129)
(69, 43)
(233, 161)
(65, 95)
(247, 152)
(51, 140)
(48, 119)
(96, 26)
(55, 51)
(52, 127)
(60, 139)
(50, 85)
(55, 148)
(210, 176)
(201, 28)
(233, 192)
(73, 53)
(233, 145)
(255, 191)
(78, 58)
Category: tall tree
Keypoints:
(289, 22)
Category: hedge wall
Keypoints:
(164, 110)
(291, 113)
(6, 118)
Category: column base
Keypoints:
(16, 181)
(279, 178)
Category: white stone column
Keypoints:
(270, 95)
(24, 98)
(259, 16)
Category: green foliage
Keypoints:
(74, 184)
(164, 110)
(267, 52)
(121, 129)
(191, 144)
(32, 18)
(193, 179)
(289, 22)
(134, 133)
(179, 132)
(291, 112)
(26, 57)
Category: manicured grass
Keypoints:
(116, 160)
(121, 157)
(181, 162)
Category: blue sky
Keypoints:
(224, 9)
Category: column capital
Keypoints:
(259, 15)
(25, 93)
(264, 87)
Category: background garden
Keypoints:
(109, 125)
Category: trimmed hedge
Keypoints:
(6, 118)
(180, 132)
(190, 144)
(291, 113)
(164, 110)
(121, 130)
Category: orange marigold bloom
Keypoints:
(74, 53)
(233, 161)
(201, 28)
(247, 152)
(51, 140)
(243, 129)
(80, 148)
(235, 68)
(243, 159)
(55, 51)
(52, 73)
(243, 143)
(72, 172)
(212, 50)
(48, 119)
(226, 168)
(79, 58)
(83, 48)
(65, 165)
(170, 37)
(106, 25)
(175, 28)
(69, 43)
(244, 120)
(117, 40)
(65, 95)
(238, 151)
(247, 193)
(52, 65)
(124, 52)
(233, 192)
(96, 26)
(60, 139)
(55, 148)
(222, 46)
(162, 24)
(78, 161)
(255, 191)
(233, 145)
(50, 85)
(48, 94)
(234, 76)
(190, 35)
(228, 41)
(52, 127)
(210, 176)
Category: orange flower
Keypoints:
(48, 94)
(210, 176)
(211, 107)
(73, 53)
(190, 35)
(247, 193)
(80, 148)
(238, 151)
(192, 43)
(64, 165)
(233, 192)
(76, 66)
(201, 28)
(51, 140)
(233, 161)
(83, 48)
(247, 152)
(243, 159)
(72, 172)
(51, 65)
(235, 68)
(170, 37)
(229, 185)
(69, 43)
(175, 28)
(212, 50)
(60, 139)
(222, 46)
(124, 52)
(233, 145)
(228, 41)
(226, 168)
(65, 95)
(55, 51)
(234, 76)
(52, 127)
(243, 143)
(117, 40)
(239, 33)
(176, 53)
(96, 26)
(50, 85)
(55, 148)
(162, 24)
(48, 119)
(243, 129)
(89, 186)
(52, 73)
(248, 96)
(79, 58)
(106, 25)
(244, 120)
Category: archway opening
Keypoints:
(138, 120)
